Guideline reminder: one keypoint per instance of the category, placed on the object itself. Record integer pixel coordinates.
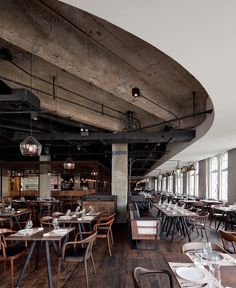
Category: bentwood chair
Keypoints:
(104, 231)
(46, 221)
(104, 219)
(199, 222)
(196, 246)
(139, 273)
(10, 252)
(229, 241)
(78, 251)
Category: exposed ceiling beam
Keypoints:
(137, 137)
(24, 23)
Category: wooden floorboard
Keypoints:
(112, 272)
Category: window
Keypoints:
(224, 177)
(164, 184)
(192, 181)
(214, 178)
(179, 184)
(170, 183)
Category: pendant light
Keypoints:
(30, 146)
(69, 164)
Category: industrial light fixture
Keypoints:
(84, 131)
(177, 171)
(30, 146)
(69, 164)
(135, 92)
(94, 173)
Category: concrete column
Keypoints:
(44, 178)
(184, 183)
(4, 183)
(202, 179)
(119, 185)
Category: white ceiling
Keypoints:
(201, 36)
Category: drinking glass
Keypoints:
(29, 224)
(55, 224)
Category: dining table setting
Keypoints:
(196, 269)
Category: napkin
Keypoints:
(58, 232)
(28, 232)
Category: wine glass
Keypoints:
(29, 224)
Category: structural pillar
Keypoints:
(44, 177)
(119, 185)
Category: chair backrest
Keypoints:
(193, 246)
(57, 214)
(201, 217)
(46, 221)
(87, 242)
(104, 224)
(103, 219)
(138, 272)
(228, 239)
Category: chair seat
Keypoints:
(75, 252)
(12, 251)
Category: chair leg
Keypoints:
(58, 272)
(12, 273)
(86, 272)
(109, 244)
(94, 268)
(206, 235)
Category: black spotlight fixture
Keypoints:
(135, 92)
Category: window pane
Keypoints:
(214, 184)
(224, 185)
(214, 164)
(224, 161)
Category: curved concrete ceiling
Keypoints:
(83, 69)
(200, 35)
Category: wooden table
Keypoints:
(172, 217)
(13, 216)
(73, 219)
(38, 236)
(227, 272)
(226, 211)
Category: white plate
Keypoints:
(190, 273)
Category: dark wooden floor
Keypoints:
(112, 272)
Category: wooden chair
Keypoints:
(24, 217)
(229, 241)
(194, 246)
(104, 231)
(78, 251)
(10, 252)
(104, 219)
(199, 223)
(140, 272)
(57, 214)
(216, 215)
(46, 221)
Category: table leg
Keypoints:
(38, 255)
(49, 267)
(18, 223)
(22, 273)
(185, 227)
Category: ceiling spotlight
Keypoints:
(135, 92)
(34, 116)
